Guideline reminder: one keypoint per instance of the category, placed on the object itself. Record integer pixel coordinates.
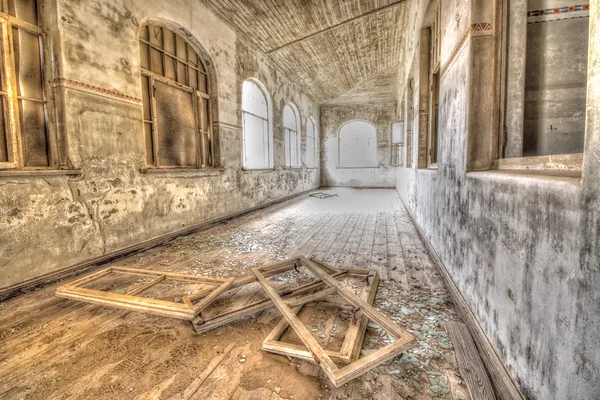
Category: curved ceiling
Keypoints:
(328, 46)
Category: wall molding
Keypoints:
(226, 125)
(474, 30)
(28, 285)
(504, 387)
(72, 84)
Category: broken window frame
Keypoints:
(435, 48)
(16, 155)
(202, 104)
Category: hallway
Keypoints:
(54, 348)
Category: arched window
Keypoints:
(291, 135)
(177, 109)
(358, 145)
(311, 143)
(256, 120)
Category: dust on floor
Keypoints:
(52, 348)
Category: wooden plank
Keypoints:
(470, 365)
(198, 308)
(170, 275)
(366, 308)
(309, 341)
(297, 351)
(148, 285)
(89, 277)
(270, 270)
(178, 314)
(310, 298)
(352, 271)
(356, 332)
(365, 364)
(339, 376)
(251, 309)
(353, 337)
(123, 298)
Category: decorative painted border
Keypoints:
(64, 82)
(476, 29)
(558, 10)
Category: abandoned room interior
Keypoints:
(333, 199)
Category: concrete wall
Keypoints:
(523, 249)
(332, 118)
(51, 222)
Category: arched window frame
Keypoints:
(292, 134)
(268, 161)
(315, 141)
(339, 134)
(178, 76)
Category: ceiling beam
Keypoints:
(337, 25)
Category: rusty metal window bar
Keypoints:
(25, 140)
(176, 99)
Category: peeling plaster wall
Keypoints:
(524, 250)
(332, 118)
(51, 222)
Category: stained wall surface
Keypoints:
(522, 248)
(332, 119)
(49, 222)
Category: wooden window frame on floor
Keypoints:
(294, 297)
(132, 301)
(340, 376)
(353, 339)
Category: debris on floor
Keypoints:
(113, 286)
(322, 195)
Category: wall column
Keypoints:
(516, 54)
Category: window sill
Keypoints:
(567, 177)
(292, 168)
(39, 172)
(312, 168)
(555, 165)
(187, 172)
(257, 170)
(377, 167)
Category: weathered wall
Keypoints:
(523, 249)
(332, 118)
(51, 222)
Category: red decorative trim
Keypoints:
(79, 85)
(484, 27)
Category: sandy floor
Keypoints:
(52, 348)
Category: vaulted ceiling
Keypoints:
(328, 46)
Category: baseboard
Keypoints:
(504, 387)
(23, 287)
(359, 187)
